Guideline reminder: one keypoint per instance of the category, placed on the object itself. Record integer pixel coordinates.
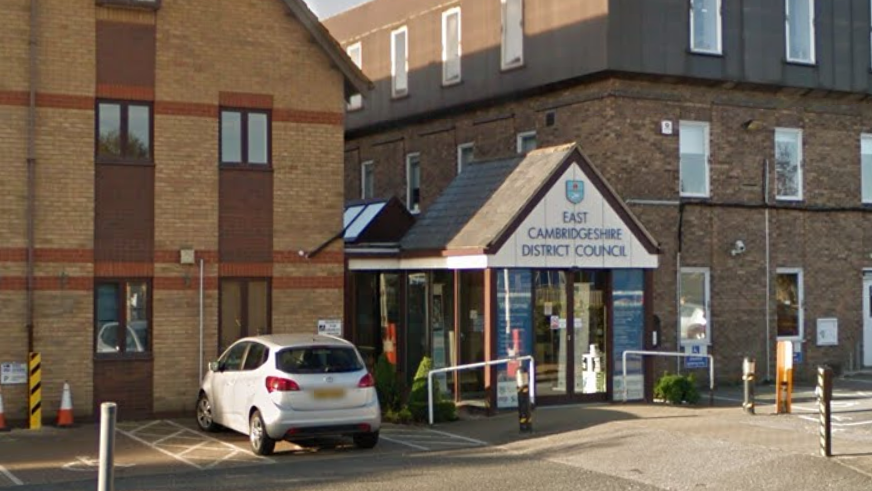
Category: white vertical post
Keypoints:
(106, 475)
(430, 395)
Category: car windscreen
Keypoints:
(318, 359)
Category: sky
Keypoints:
(327, 8)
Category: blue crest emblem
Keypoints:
(575, 191)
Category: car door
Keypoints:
(249, 380)
(223, 383)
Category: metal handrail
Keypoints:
(457, 368)
(669, 353)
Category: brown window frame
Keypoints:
(121, 303)
(124, 106)
(244, 283)
(135, 4)
(243, 138)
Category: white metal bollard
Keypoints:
(106, 476)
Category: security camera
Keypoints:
(738, 248)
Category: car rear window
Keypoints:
(318, 359)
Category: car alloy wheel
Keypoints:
(261, 443)
(204, 414)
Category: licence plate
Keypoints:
(329, 393)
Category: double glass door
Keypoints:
(570, 341)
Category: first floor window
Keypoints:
(866, 168)
(705, 26)
(799, 25)
(355, 52)
(465, 155)
(526, 142)
(694, 306)
(789, 302)
(124, 131)
(400, 62)
(513, 33)
(245, 137)
(451, 46)
(693, 140)
(367, 185)
(788, 163)
(413, 182)
(245, 309)
(122, 317)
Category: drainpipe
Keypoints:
(678, 285)
(768, 270)
(31, 172)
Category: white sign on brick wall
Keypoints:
(13, 373)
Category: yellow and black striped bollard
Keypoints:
(35, 385)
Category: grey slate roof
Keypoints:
(483, 201)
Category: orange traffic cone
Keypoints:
(65, 414)
(3, 426)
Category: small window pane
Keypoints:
(799, 30)
(256, 356)
(706, 25)
(513, 32)
(110, 130)
(465, 155)
(527, 143)
(787, 163)
(866, 168)
(694, 308)
(257, 138)
(399, 63)
(355, 52)
(107, 319)
(232, 360)
(367, 184)
(231, 313)
(138, 132)
(788, 304)
(137, 318)
(258, 308)
(451, 42)
(231, 137)
(414, 182)
(693, 143)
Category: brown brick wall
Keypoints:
(124, 213)
(245, 216)
(617, 124)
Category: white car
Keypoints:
(290, 387)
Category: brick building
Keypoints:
(738, 133)
(172, 181)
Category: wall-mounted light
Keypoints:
(752, 124)
(738, 248)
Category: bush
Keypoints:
(677, 389)
(443, 410)
(385, 374)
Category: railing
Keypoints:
(670, 353)
(481, 365)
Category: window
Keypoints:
(465, 155)
(355, 52)
(413, 182)
(122, 317)
(788, 163)
(526, 142)
(318, 359)
(693, 138)
(513, 33)
(367, 186)
(245, 137)
(123, 131)
(694, 306)
(400, 62)
(705, 26)
(789, 302)
(244, 309)
(799, 27)
(231, 361)
(257, 355)
(866, 167)
(451, 47)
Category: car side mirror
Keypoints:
(213, 366)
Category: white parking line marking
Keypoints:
(11, 476)
(452, 435)
(165, 452)
(168, 437)
(195, 447)
(404, 443)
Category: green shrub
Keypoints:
(385, 374)
(443, 410)
(677, 389)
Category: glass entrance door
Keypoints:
(570, 341)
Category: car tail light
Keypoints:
(366, 381)
(280, 384)
(364, 427)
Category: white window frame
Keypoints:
(416, 209)
(363, 167)
(505, 33)
(395, 91)
(865, 176)
(707, 152)
(355, 102)
(800, 293)
(445, 15)
(460, 149)
(812, 55)
(799, 164)
(719, 49)
(522, 136)
(706, 272)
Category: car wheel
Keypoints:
(261, 443)
(204, 414)
(366, 440)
